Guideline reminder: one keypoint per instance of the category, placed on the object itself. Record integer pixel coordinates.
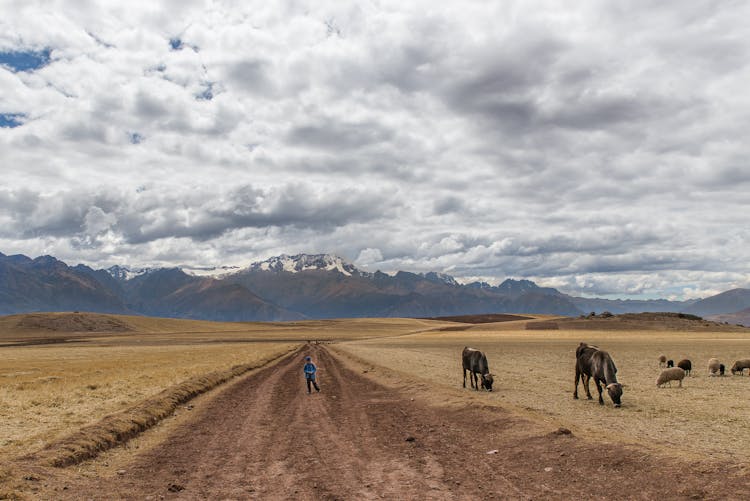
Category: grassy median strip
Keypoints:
(118, 428)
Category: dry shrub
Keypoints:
(118, 428)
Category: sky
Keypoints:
(597, 147)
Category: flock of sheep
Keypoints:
(685, 366)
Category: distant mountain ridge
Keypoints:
(730, 301)
(294, 287)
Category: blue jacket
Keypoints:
(310, 370)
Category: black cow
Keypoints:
(593, 362)
(475, 362)
(670, 363)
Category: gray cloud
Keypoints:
(139, 218)
(598, 148)
(252, 76)
(332, 135)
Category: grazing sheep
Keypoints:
(669, 375)
(685, 365)
(662, 360)
(670, 363)
(741, 365)
(713, 366)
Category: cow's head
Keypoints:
(615, 392)
(487, 381)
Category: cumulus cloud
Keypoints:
(598, 148)
(140, 217)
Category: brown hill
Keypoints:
(482, 319)
(739, 318)
(67, 322)
(637, 321)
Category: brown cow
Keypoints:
(593, 362)
(475, 362)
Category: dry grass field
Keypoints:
(534, 369)
(62, 371)
(50, 391)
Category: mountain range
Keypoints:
(299, 287)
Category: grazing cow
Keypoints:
(475, 362)
(593, 362)
(670, 363)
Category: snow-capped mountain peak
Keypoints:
(213, 272)
(125, 273)
(304, 262)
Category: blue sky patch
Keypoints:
(176, 44)
(10, 120)
(25, 60)
(208, 92)
(136, 137)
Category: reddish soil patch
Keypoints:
(264, 438)
(542, 326)
(481, 319)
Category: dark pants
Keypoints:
(313, 383)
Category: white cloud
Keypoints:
(368, 257)
(599, 147)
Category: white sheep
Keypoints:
(713, 366)
(669, 375)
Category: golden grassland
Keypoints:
(534, 374)
(55, 380)
(50, 391)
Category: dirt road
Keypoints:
(264, 438)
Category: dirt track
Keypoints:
(264, 438)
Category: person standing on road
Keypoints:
(310, 371)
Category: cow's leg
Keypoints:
(578, 377)
(464, 378)
(476, 381)
(599, 389)
(586, 380)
